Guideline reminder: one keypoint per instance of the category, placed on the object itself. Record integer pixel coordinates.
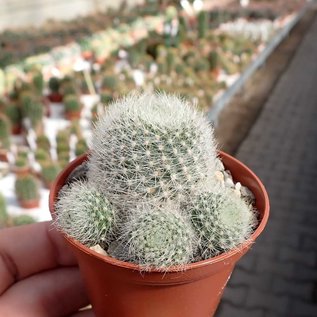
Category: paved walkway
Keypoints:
(278, 277)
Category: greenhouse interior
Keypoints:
(81, 86)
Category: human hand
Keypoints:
(39, 276)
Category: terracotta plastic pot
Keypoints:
(120, 289)
(72, 115)
(29, 204)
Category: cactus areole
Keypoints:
(170, 234)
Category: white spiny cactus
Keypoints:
(222, 221)
(157, 237)
(85, 214)
(153, 147)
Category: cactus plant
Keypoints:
(156, 237)
(27, 191)
(54, 84)
(4, 216)
(43, 142)
(22, 220)
(38, 82)
(85, 214)
(81, 147)
(222, 221)
(33, 110)
(157, 147)
(72, 107)
(202, 24)
(153, 164)
(109, 83)
(105, 98)
(4, 132)
(13, 112)
(213, 59)
(50, 171)
(62, 136)
(41, 155)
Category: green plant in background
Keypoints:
(105, 98)
(75, 128)
(33, 110)
(159, 153)
(109, 83)
(38, 82)
(71, 103)
(5, 129)
(182, 31)
(22, 220)
(213, 60)
(43, 142)
(170, 60)
(50, 171)
(54, 84)
(69, 89)
(21, 162)
(4, 216)
(62, 147)
(157, 237)
(201, 65)
(62, 136)
(41, 155)
(81, 147)
(13, 112)
(87, 215)
(202, 24)
(27, 188)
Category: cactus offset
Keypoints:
(222, 221)
(85, 214)
(157, 238)
(151, 147)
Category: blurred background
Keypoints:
(250, 65)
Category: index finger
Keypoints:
(30, 249)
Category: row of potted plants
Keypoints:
(6, 220)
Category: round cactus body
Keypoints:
(157, 237)
(84, 214)
(153, 147)
(222, 221)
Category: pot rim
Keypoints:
(173, 269)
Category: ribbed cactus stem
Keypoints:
(84, 214)
(154, 147)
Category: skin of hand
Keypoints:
(39, 276)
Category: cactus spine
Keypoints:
(85, 214)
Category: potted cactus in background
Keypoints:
(13, 112)
(43, 142)
(50, 171)
(4, 217)
(72, 107)
(41, 155)
(81, 147)
(54, 87)
(27, 191)
(153, 200)
(4, 137)
(21, 166)
(22, 220)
